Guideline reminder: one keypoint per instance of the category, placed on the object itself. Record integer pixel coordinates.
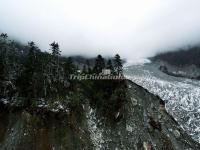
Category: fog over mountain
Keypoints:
(134, 28)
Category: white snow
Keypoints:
(5, 101)
(129, 128)
(96, 134)
(137, 62)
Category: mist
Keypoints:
(133, 28)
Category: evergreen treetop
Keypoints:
(99, 64)
(118, 64)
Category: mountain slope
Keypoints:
(184, 57)
(145, 124)
(182, 63)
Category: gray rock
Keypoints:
(176, 133)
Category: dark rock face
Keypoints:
(25, 131)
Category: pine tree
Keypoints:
(118, 64)
(2, 69)
(4, 56)
(3, 44)
(55, 49)
(46, 73)
(110, 66)
(99, 64)
(69, 67)
(27, 80)
(4, 35)
(55, 60)
(32, 63)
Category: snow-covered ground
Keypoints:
(95, 132)
(182, 96)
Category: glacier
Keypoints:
(181, 95)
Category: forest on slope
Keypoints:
(30, 78)
(183, 57)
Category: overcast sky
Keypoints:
(133, 28)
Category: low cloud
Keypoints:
(133, 28)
